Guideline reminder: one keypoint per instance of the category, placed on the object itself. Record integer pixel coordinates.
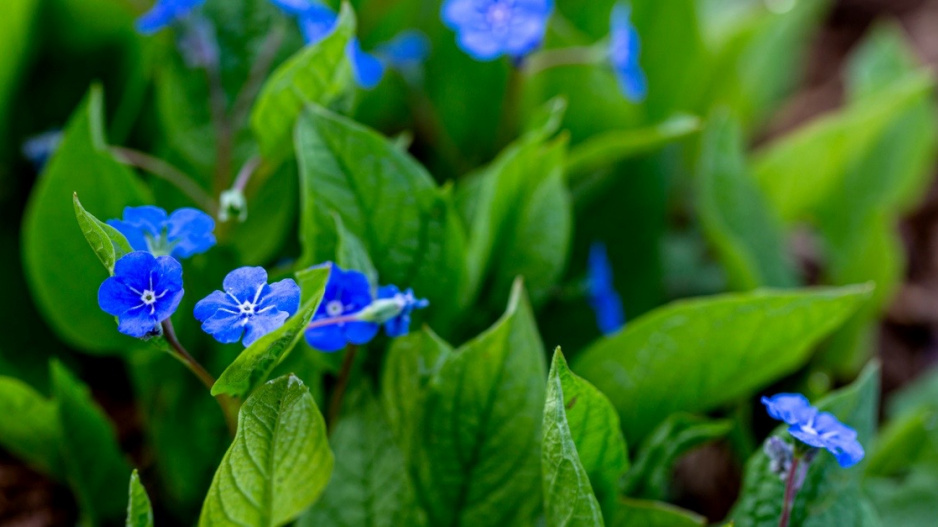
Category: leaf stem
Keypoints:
(244, 175)
(554, 58)
(168, 173)
(228, 405)
(790, 492)
(335, 405)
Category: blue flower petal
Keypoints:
(603, 297)
(317, 22)
(490, 28)
(360, 332)
(115, 298)
(792, 408)
(246, 284)
(260, 325)
(367, 69)
(293, 7)
(190, 232)
(164, 13)
(624, 50)
(223, 325)
(283, 295)
(137, 323)
(326, 338)
(143, 292)
(814, 428)
(407, 50)
(133, 269)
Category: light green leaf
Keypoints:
(63, 274)
(727, 346)
(909, 502)
(254, 364)
(139, 512)
(94, 464)
(108, 244)
(278, 464)
(641, 513)
(387, 200)
(577, 417)
(831, 495)
(650, 476)
(478, 459)
(317, 74)
(350, 253)
(740, 224)
(16, 26)
(370, 484)
(31, 430)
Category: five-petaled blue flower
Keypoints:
(399, 325)
(491, 28)
(603, 298)
(248, 306)
(334, 325)
(144, 291)
(182, 234)
(815, 428)
(624, 46)
(164, 13)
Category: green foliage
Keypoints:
(54, 250)
(108, 244)
(278, 464)
(642, 513)
(727, 346)
(139, 510)
(831, 494)
(34, 435)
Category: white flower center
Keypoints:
(499, 13)
(334, 308)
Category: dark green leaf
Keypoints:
(735, 215)
(255, 363)
(278, 464)
(31, 429)
(108, 244)
(94, 464)
(641, 513)
(650, 476)
(726, 346)
(911, 502)
(63, 272)
(350, 253)
(139, 512)
(831, 495)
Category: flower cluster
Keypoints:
(184, 233)
(602, 295)
(487, 29)
(316, 21)
(814, 428)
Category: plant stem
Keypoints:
(166, 172)
(244, 175)
(222, 127)
(228, 405)
(258, 74)
(790, 492)
(335, 405)
(553, 58)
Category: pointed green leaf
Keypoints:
(831, 495)
(31, 432)
(727, 347)
(63, 274)
(278, 464)
(318, 74)
(108, 244)
(478, 461)
(139, 511)
(94, 464)
(254, 364)
(642, 513)
(350, 253)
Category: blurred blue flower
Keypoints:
(248, 306)
(39, 148)
(815, 428)
(487, 29)
(603, 298)
(408, 50)
(184, 233)
(164, 13)
(334, 325)
(399, 324)
(624, 46)
(144, 291)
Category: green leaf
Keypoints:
(798, 172)
(278, 464)
(139, 512)
(728, 346)
(909, 502)
(316, 74)
(108, 244)
(63, 274)
(30, 430)
(94, 464)
(254, 364)
(650, 476)
(747, 236)
(641, 513)
(831, 495)
(583, 450)
(370, 484)
(17, 27)
(350, 253)
(387, 200)
(478, 430)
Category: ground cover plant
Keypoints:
(459, 262)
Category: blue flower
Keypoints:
(490, 28)
(248, 306)
(144, 291)
(406, 51)
(624, 47)
(815, 428)
(603, 298)
(39, 149)
(182, 234)
(164, 13)
(334, 325)
(399, 324)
